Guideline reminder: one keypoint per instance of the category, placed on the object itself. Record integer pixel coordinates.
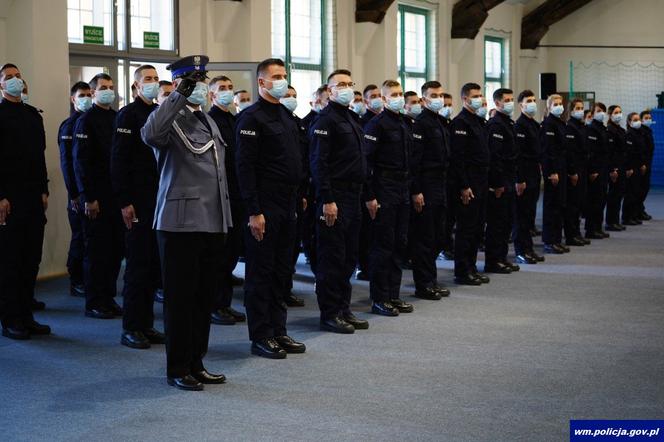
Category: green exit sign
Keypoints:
(93, 35)
(151, 40)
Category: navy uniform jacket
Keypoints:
(133, 163)
(616, 137)
(577, 151)
(503, 150)
(388, 145)
(193, 191)
(368, 116)
(93, 137)
(649, 141)
(226, 124)
(430, 157)
(553, 141)
(470, 151)
(336, 156)
(268, 151)
(306, 189)
(635, 150)
(309, 120)
(23, 176)
(528, 147)
(65, 142)
(597, 141)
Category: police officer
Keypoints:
(430, 158)
(577, 166)
(221, 97)
(451, 193)
(528, 171)
(373, 101)
(412, 107)
(469, 163)
(358, 105)
(269, 166)
(338, 169)
(241, 100)
(135, 183)
(193, 213)
(165, 89)
(598, 173)
(104, 231)
(503, 183)
(554, 167)
(646, 123)
(80, 101)
(388, 144)
(23, 202)
(618, 172)
(636, 158)
(319, 100)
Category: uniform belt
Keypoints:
(346, 186)
(393, 174)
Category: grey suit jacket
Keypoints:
(193, 192)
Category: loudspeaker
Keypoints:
(547, 84)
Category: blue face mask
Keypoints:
(105, 97)
(199, 95)
(599, 116)
(242, 106)
(25, 98)
(376, 104)
(150, 90)
(635, 125)
(616, 118)
(83, 104)
(647, 123)
(481, 112)
(446, 112)
(14, 86)
(435, 104)
(345, 96)
(589, 122)
(278, 89)
(508, 108)
(577, 114)
(359, 108)
(289, 103)
(224, 98)
(476, 103)
(395, 104)
(530, 108)
(415, 109)
(557, 110)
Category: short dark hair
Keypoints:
(391, 83)
(587, 112)
(6, 66)
(613, 107)
(290, 86)
(600, 105)
(320, 90)
(645, 112)
(338, 72)
(165, 83)
(138, 73)
(356, 93)
(369, 87)
(500, 92)
(78, 86)
(96, 78)
(430, 85)
(410, 94)
(217, 79)
(573, 102)
(465, 90)
(447, 96)
(263, 65)
(526, 93)
(241, 91)
(630, 115)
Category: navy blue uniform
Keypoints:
(135, 182)
(23, 181)
(430, 160)
(577, 163)
(635, 157)
(597, 141)
(269, 169)
(649, 152)
(554, 146)
(75, 253)
(614, 197)
(451, 193)
(104, 235)
(338, 169)
(502, 173)
(388, 144)
(306, 222)
(470, 166)
(366, 227)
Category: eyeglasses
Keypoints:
(344, 85)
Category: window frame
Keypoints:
(501, 42)
(402, 72)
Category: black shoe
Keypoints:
(429, 293)
(159, 296)
(290, 345)
(19, 333)
(361, 275)
(77, 290)
(222, 317)
(565, 248)
(406, 265)
(154, 336)
(535, 232)
(115, 309)
(576, 242)
(35, 328)
(36, 306)
(99, 313)
(268, 348)
(293, 301)
(384, 309)
(621, 227)
(442, 291)
(188, 383)
(236, 281)
(498, 267)
(539, 258)
(357, 323)
(613, 228)
(606, 235)
(481, 278)
(134, 339)
(402, 305)
(513, 267)
(554, 249)
(205, 377)
(449, 256)
(467, 280)
(628, 222)
(586, 242)
(337, 325)
(594, 235)
(525, 259)
(645, 216)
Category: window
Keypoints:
(89, 13)
(154, 18)
(494, 66)
(412, 47)
(299, 40)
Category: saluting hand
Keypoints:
(129, 216)
(372, 207)
(5, 210)
(330, 212)
(257, 226)
(466, 196)
(418, 202)
(92, 209)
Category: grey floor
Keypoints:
(581, 336)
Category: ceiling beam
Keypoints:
(469, 15)
(371, 10)
(535, 24)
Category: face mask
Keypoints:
(345, 96)
(476, 103)
(599, 116)
(508, 108)
(242, 106)
(647, 123)
(635, 125)
(359, 108)
(616, 118)
(481, 112)
(589, 122)
(150, 90)
(289, 103)
(416, 109)
(83, 103)
(557, 110)
(577, 114)
(530, 108)
(395, 104)
(446, 112)
(199, 95)
(224, 98)
(278, 89)
(14, 87)
(105, 97)
(25, 98)
(435, 104)
(376, 104)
